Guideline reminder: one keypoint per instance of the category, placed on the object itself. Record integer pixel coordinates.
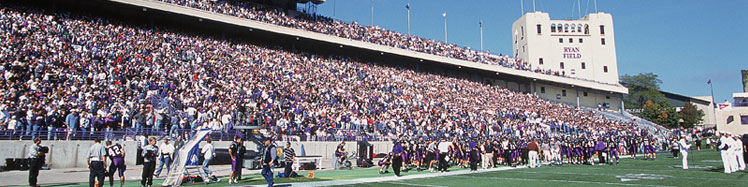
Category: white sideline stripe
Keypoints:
(640, 170)
(555, 180)
(408, 184)
(389, 179)
(420, 176)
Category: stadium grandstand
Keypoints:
(120, 69)
(191, 84)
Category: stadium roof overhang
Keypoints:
(313, 36)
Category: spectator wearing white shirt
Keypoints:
(166, 152)
(209, 152)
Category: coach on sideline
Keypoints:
(36, 159)
(96, 164)
(397, 159)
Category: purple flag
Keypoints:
(709, 82)
(407, 6)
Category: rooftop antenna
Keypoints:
(533, 5)
(595, 6)
(522, 7)
(579, 9)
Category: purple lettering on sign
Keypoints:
(571, 53)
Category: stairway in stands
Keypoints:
(628, 117)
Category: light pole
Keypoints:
(481, 34)
(372, 13)
(445, 26)
(407, 6)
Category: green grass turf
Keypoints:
(259, 180)
(705, 169)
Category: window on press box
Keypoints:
(539, 29)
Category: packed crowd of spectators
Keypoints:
(354, 31)
(69, 74)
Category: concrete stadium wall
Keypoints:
(62, 154)
(72, 154)
(591, 100)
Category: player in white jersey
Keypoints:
(683, 146)
(724, 150)
(738, 153)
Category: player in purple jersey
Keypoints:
(117, 155)
(613, 150)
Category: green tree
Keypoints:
(642, 87)
(691, 115)
(660, 113)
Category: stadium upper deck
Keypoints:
(382, 49)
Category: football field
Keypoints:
(705, 170)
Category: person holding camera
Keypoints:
(341, 153)
(269, 156)
(150, 152)
(96, 164)
(36, 160)
(166, 151)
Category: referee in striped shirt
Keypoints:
(289, 156)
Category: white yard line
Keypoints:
(408, 184)
(554, 180)
(390, 179)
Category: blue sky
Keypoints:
(685, 42)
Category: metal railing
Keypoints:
(218, 135)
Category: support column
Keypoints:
(577, 97)
(623, 108)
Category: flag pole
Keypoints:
(714, 105)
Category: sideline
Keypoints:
(392, 179)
